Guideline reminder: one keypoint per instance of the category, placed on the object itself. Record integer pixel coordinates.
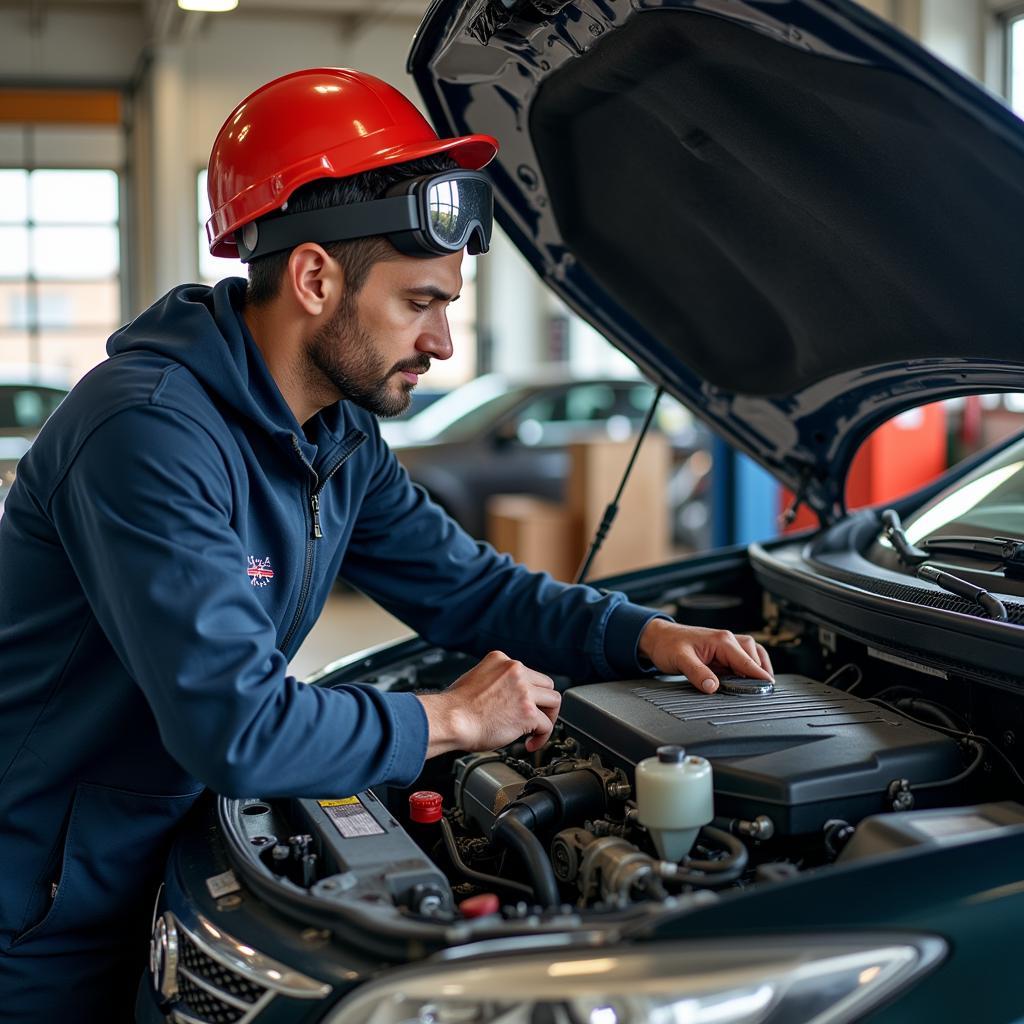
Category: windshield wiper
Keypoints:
(994, 608)
(892, 530)
(1008, 551)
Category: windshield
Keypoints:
(989, 502)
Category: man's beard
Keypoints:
(344, 353)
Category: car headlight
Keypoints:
(776, 981)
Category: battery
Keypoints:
(367, 854)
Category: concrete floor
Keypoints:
(349, 622)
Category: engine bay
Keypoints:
(651, 793)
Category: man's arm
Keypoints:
(410, 557)
(419, 564)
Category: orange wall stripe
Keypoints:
(59, 106)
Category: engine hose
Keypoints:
(711, 873)
(979, 753)
(508, 829)
(477, 876)
(927, 709)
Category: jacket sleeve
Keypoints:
(145, 514)
(413, 559)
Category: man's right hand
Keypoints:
(491, 706)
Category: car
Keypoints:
(503, 434)
(28, 394)
(11, 451)
(802, 224)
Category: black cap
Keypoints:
(671, 755)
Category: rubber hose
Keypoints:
(515, 835)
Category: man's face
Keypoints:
(378, 343)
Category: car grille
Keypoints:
(209, 992)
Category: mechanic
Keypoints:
(176, 528)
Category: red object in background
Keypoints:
(900, 456)
(480, 906)
(425, 806)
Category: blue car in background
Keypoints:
(801, 224)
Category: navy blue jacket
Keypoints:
(171, 538)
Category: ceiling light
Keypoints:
(217, 6)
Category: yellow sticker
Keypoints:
(344, 802)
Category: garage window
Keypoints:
(60, 295)
(1015, 39)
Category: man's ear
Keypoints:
(314, 278)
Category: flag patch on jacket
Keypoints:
(260, 573)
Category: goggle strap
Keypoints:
(332, 224)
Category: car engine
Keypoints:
(648, 790)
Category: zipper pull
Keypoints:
(314, 504)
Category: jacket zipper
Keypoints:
(351, 443)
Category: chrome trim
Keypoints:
(183, 1018)
(253, 966)
(164, 956)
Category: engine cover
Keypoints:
(801, 755)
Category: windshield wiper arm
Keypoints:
(892, 530)
(1009, 551)
(994, 608)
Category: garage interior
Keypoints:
(123, 99)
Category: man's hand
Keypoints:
(692, 650)
(491, 706)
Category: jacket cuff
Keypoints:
(622, 638)
(410, 740)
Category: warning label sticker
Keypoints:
(351, 818)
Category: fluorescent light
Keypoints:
(213, 6)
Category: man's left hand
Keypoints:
(692, 651)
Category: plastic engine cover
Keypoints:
(801, 755)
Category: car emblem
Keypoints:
(163, 957)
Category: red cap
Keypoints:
(425, 806)
(480, 906)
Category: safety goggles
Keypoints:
(433, 215)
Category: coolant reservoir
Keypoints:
(674, 799)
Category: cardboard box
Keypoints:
(540, 534)
(640, 534)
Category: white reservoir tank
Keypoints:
(674, 799)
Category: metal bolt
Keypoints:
(1009, 738)
(229, 902)
(430, 905)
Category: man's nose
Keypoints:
(436, 340)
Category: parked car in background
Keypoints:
(28, 394)
(500, 434)
(11, 450)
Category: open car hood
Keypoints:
(786, 211)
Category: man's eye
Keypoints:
(421, 306)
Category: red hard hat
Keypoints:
(319, 123)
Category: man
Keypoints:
(177, 526)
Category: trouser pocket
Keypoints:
(114, 849)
